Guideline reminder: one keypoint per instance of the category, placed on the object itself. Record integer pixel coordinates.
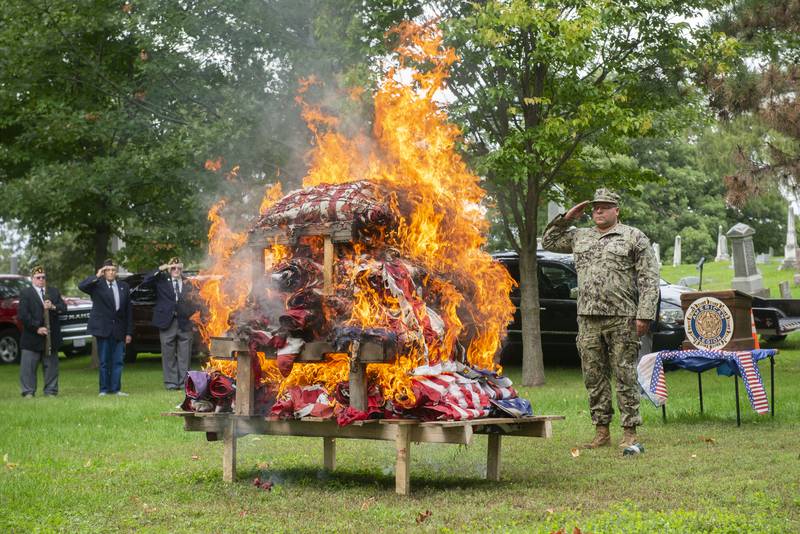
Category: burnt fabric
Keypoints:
(285, 363)
(221, 386)
(359, 203)
(306, 401)
(343, 336)
(196, 384)
(298, 320)
(297, 274)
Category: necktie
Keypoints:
(42, 290)
(177, 289)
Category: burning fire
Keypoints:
(411, 154)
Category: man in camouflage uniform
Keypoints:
(617, 297)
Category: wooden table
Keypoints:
(402, 431)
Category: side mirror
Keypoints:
(573, 293)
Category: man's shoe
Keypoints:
(28, 396)
(629, 437)
(121, 394)
(102, 394)
(602, 438)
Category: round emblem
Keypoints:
(709, 323)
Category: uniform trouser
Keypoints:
(28, 366)
(610, 344)
(111, 353)
(176, 354)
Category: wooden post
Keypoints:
(229, 451)
(327, 266)
(402, 474)
(245, 388)
(358, 386)
(493, 458)
(329, 453)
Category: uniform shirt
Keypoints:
(617, 270)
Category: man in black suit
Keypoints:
(111, 324)
(175, 303)
(33, 301)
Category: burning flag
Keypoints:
(382, 247)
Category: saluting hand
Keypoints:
(576, 210)
(101, 272)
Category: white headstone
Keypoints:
(790, 250)
(554, 209)
(657, 252)
(722, 246)
(676, 252)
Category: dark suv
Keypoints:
(558, 305)
(75, 340)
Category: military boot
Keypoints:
(602, 438)
(629, 437)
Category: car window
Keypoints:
(556, 281)
(10, 288)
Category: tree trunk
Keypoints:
(102, 237)
(532, 357)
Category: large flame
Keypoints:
(411, 152)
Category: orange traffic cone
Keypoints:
(753, 330)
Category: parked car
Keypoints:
(145, 335)
(75, 340)
(558, 318)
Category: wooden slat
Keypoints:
(245, 388)
(329, 453)
(229, 451)
(402, 474)
(493, 458)
(327, 266)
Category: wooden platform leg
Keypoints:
(402, 474)
(329, 453)
(229, 452)
(493, 458)
(358, 386)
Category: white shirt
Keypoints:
(180, 286)
(115, 289)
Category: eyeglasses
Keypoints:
(39, 277)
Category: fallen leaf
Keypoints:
(550, 511)
(423, 516)
(576, 530)
(575, 452)
(88, 463)
(256, 438)
(694, 456)
(367, 503)
(263, 465)
(127, 7)
(195, 457)
(710, 441)
(9, 465)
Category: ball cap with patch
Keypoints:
(110, 263)
(37, 270)
(605, 195)
(175, 261)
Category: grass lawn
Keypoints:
(719, 275)
(82, 463)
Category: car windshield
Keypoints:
(10, 287)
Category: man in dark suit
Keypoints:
(33, 301)
(111, 324)
(175, 303)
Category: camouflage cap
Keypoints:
(605, 195)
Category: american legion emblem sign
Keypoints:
(709, 323)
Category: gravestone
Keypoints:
(553, 209)
(722, 246)
(790, 249)
(745, 275)
(676, 252)
(796, 280)
(762, 259)
(785, 292)
(657, 252)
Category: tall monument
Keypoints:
(790, 249)
(676, 252)
(722, 246)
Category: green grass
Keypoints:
(83, 463)
(719, 275)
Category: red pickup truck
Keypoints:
(73, 323)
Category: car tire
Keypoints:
(130, 354)
(9, 346)
(776, 338)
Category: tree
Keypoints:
(549, 92)
(108, 111)
(764, 83)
